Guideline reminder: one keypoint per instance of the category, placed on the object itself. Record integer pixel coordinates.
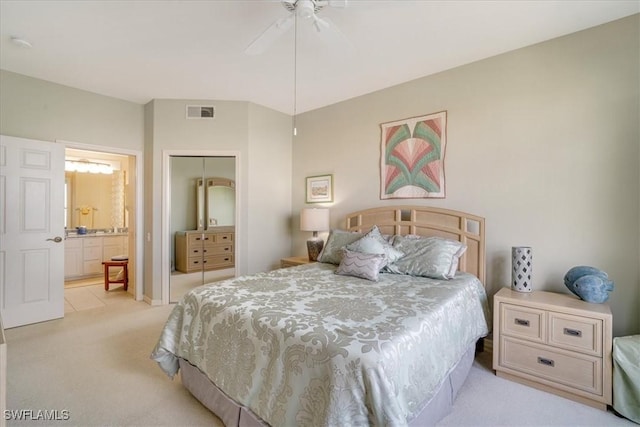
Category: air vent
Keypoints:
(200, 112)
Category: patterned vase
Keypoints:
(521, 258)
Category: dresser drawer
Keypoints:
(524, 322)
(196, 251)
(572, 371)
(218, 261)
(575, 333)
(210, 262)
(210, 250)
(219, 250)
(196, 239)
(223, 238)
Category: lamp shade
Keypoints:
(314, 219)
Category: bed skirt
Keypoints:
(234, 415)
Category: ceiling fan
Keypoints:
(306, 10)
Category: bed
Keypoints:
(361, 338)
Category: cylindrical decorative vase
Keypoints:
(521, 259)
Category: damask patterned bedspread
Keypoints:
(304, 346)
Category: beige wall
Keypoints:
(269, 191)
(33, 108)
(543, 142)
(36, 109)
(262, 139)
(41, 110)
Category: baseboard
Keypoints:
(152, 302)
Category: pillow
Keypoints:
(432, 257)
(374, 243)
(338, 239)
(358, 264)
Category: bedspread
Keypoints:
(304, 346)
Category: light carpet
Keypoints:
(95, 364)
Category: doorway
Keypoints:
(97, 194)
(103, 211)
(200, 226)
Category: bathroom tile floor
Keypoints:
(92, 296)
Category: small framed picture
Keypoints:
(320, 189)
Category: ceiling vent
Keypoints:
(201, 111)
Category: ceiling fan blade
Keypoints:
(270, 35)
(330, 34)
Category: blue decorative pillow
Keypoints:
(432, 257)
(374, 243)
(358, 264)
(337, 240)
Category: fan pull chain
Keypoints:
(295, 73)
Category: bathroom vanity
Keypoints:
(84, 253)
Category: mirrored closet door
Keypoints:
(203, 212)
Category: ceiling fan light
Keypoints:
(305, 9)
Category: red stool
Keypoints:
(125, 277)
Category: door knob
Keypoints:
(56, 239)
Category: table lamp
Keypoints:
(314, 219)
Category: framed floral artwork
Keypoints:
(412, 157)
(320, 189)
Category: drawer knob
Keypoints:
(521, 322)
(573, 332)
(546, 362)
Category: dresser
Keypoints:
(200, 250)
(554, 342)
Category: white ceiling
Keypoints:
(143, 50)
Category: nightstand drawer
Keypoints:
(575, 333)
(572, 370)
(524, 322)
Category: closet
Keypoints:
(203, 212)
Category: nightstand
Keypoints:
(293, 261)
(554, 342)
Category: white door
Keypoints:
(31, 231)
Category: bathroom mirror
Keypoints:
(95, 201)
(96, 189)
(220, 201)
